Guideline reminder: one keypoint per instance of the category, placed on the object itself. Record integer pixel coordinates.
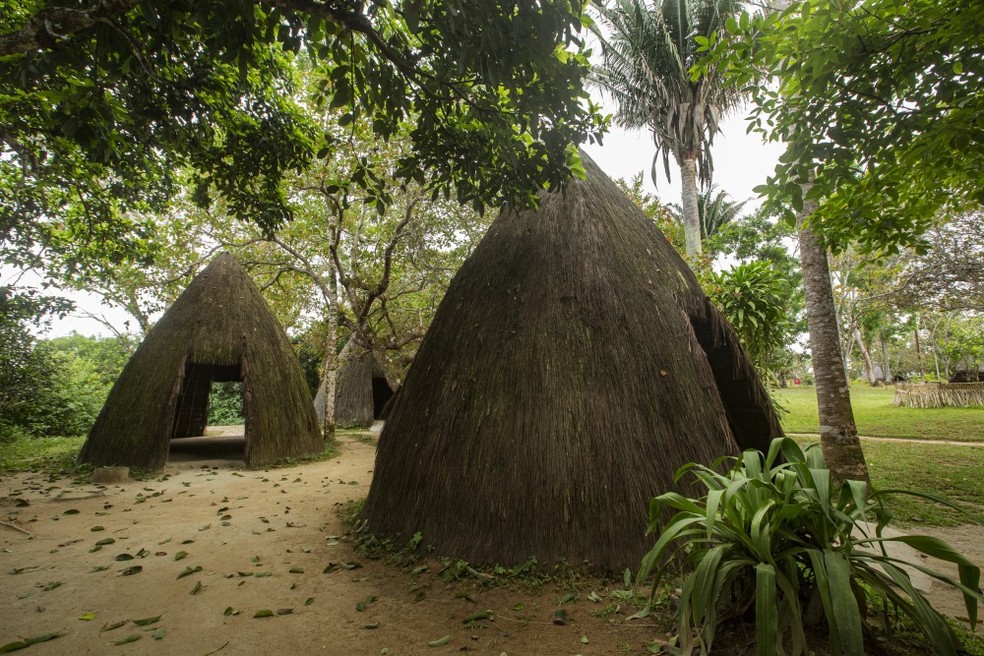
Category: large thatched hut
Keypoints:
(362, 390)
(573, 365)
(220, 329)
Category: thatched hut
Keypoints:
(362, 390)
(573, 365)
(220, 329)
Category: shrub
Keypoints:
(755, 297)
(779, 537)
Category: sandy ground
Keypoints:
(101, 557)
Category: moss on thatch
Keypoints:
(573, 365)
(219, 329)
(362, 390)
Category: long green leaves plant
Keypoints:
(776, 535)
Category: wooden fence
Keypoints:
(938, 395)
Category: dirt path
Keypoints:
(262, 540)
(265, 540)
(907, 440)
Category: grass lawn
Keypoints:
(953, 472)
(877, 417)
(55, 455)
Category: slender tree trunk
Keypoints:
(918, 348)
(691, 216)
(838, 432)
(869, 365)
(886, 367)
(330, 373)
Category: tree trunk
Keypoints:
(838, 432)
(886, 367)
(691, 216)
(330, 373)
(869, 365)
(918, 348)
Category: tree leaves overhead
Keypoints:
(648, 52)
(103, 101)
(879, 101)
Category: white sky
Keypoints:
(741, 162)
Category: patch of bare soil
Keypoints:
(968, 539)
(208, 547)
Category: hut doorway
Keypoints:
(381, 395)
(189, 440)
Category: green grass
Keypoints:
(877, 417)
(53, 455)
(953, 472)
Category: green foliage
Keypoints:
(54, 387)
(755, 299)
(877, 103)
(225, 404)
(715, 208)
(775, 534)
(655, 210)
(105, 105)
(50, 455)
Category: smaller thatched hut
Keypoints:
(220, 329)
(362, 390)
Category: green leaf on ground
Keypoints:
(27, 642)
(189, 570)
(266, 612)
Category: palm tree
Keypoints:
(648, 52)
(715, 209)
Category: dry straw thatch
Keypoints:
(938, 395)
(219, 329)
(573, 365)
(361, 389)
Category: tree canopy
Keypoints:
(878, 103)
(104, 100)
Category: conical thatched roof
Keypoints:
(219, 329)
(572, 367)
(361, 388)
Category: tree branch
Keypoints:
(53, 24)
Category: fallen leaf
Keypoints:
(147, 621)
(189, 570)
